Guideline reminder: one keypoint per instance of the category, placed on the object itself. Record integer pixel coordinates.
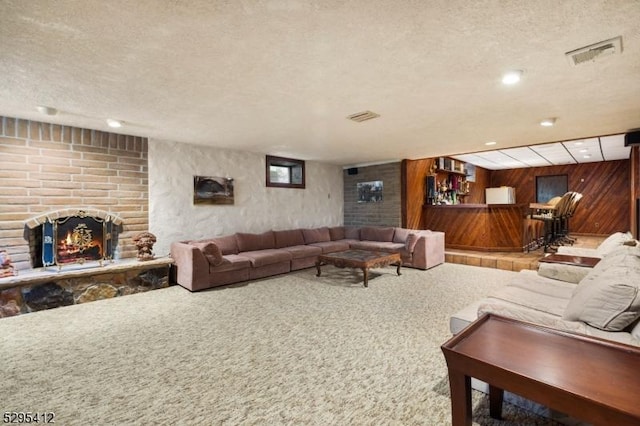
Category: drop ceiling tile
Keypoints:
(604, 148)
(613, 148)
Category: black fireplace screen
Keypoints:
(77, 239)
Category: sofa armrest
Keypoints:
(191, 265)
(429, 250)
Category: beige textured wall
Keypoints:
(174, 217)
(46, 167)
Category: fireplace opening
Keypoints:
(72, 237)
(79, 240)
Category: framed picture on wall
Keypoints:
(212, 190)
(370, 192)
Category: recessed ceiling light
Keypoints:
(512, 77)
(586, 156)
(583, 150)
(114, 123)
(490, 143)
(548, 122)
(578, 143)
(46, 110)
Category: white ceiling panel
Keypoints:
(585, 150)
(613, 148)
(527, 156)
(606, 148)
(555, 153)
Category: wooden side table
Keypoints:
(591, 379)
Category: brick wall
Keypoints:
(46, 167)
(385, 213)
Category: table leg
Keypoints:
(460, 386)
(365, 271)
(318, 263)
(398, 269)
(496, 395)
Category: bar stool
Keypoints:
(552, 220)
(564, 231)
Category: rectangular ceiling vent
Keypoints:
(595, 51)
(363, 116)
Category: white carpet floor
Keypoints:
(288, 350)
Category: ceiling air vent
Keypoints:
(363, 116)
(595, 51)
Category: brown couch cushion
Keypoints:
(400, 235)
(376, 233)
(316, 235)
(337, 233)
(292, 237)
(251, 242)
(265, 257)
(351, 233)
(228, 244)
(212, 252)
(411, 241)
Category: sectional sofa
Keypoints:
(242, 256)
(603, 301)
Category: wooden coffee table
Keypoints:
(361, 259)
(591, 379)
(567, 259)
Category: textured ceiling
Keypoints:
(281, 76)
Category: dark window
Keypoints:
(548, 187)
(284, 172)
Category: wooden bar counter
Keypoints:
(484, 227)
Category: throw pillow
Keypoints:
(410, 244)
(608, 297)
(212, 252)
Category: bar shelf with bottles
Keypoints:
(447, 184)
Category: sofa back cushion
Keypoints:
(351, 233)
(251, 242)
(613, 241)
(289, 238)
(337, 233)
(316, 235)
(400, 235)
(608, 297)
(227, 245)
(376, 233)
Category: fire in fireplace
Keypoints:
(79, 240)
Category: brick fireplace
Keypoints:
(48, 167)
(82, 194)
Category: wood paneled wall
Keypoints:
(413, 173)
(605, 186)
(609, 189)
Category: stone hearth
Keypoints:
(44, 288)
